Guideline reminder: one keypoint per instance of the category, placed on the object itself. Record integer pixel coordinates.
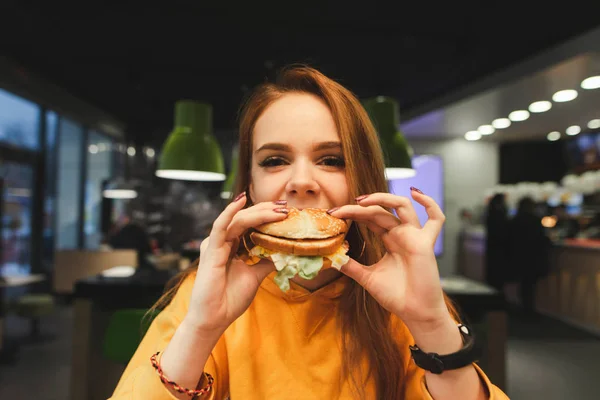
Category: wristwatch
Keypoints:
(437, 364)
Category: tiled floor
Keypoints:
(43, 367)
(546, 360)
(550, 360)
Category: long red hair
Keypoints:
(373, 341)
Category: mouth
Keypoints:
(302, 208)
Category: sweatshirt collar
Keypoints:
(297, 293)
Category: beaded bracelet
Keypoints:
(167, 381)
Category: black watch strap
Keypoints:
(437, 364)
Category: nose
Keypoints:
(302, 183)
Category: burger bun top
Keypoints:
(308, 223)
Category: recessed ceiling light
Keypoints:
(501, 123)
(573, 130)
(472, 135)
(486, 129)
(540, 106)
(131, 151)
(593, 82)
(564, 95)
(519, 115)
(594, 124)
(553, 136)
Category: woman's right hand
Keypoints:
(225, 285)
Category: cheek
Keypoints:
(268, 188)
(336, 189)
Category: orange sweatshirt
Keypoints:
(285, 346)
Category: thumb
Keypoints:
(357, 271)
(262, 269)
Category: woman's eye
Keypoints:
(333, 161)
(272, 162)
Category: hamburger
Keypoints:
(303, 244)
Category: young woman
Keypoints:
(306, 141)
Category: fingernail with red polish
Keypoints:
(281, 210)
(415, 190)
(359, 198)
(280, 202)
(332, 210)
(239, 196)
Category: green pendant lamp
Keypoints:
(385, 115)
(227, 189)
(191, 152)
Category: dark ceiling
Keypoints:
(135, 61)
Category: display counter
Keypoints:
(571, 290)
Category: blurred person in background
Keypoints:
(566, 227)
(496, 246)
(529, 249)
(129, 234)
(591, 229)
(466, 222)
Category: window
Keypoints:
(17, 206)
(49, 191)
(19, 121)
(69, 172)
(99, 169)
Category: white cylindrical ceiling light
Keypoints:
(501, 123)
(593, 82)
(540, 106)
(594, 124)
(472, 136)
(573, 130)
(564, 95)
(486, 129)
(518, 115)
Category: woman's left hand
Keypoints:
(406, 280)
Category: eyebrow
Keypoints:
(284, 147)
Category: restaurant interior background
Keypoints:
(87, 104)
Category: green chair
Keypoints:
(34, 306)
(125, 331)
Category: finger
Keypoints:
(254, 216)
(402, 205)
(376, 229)
(436, 217)
(369, 215)
(355, 270)
(204, 245)
(219, 230)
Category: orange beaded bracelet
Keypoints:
(175, 386)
